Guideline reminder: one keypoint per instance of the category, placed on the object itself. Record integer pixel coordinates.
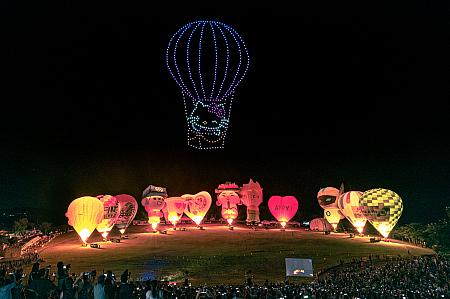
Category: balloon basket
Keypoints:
(231, 227)
(84, 245)
(282, 229)
(201, 228)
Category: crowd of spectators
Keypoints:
(25, 259)
(413, 277)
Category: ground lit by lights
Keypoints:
(215, 254)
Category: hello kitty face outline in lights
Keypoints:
(228, 198)
(153, 202)
(252, 196)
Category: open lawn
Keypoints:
(214, 255)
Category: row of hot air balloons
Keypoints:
(381, 207)
(103, 212)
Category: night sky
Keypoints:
(333, 94)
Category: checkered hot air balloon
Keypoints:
(383, 208)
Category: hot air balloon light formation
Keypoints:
(207, 60)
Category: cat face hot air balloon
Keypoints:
(383, 208)
(207, 60)
(153, 202)
(174, 209)
(228, 198)
(283, 208)
(128, 208)
(252, 197)
(350, 207)
(111, 211)
(197, 205)
(84, 214)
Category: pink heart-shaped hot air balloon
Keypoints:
(283, 208)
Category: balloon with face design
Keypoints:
(228, 198)
(153, 205)
(174, 209)
(252, 197)
(197, 205)
(111, 213)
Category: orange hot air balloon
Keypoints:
(84, 214)
(283, 208)
(111, 211)
(197, 205)
(174, 209)
(228, 198)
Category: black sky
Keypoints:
(355, 94)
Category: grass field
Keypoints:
(216, 254)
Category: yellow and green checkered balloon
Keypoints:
(383, 208)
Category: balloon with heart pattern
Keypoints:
(197, 205)
(174, 209)
(283, 208)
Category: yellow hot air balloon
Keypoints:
(383, 208)
(197, 205)
(84, 214)
(333, 216)
(349, 205)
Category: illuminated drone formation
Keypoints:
(208, 60)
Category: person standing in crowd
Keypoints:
(125, 289)
(110, 284)
(84, 289)
(99, 288)
(42, 285)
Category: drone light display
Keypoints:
(207, 60)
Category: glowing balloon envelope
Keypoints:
(153, 203)
(207, 60)
(327, 197)
(333, 216)
(319, 224)
(228, 198)
(197, 205)
(283, 208)
(128, 207)
(174, 209)
(349, 205)
(383, 208)
(252, 197)
(111, 211)
(84, 214)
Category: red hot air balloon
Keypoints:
(283, 208)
